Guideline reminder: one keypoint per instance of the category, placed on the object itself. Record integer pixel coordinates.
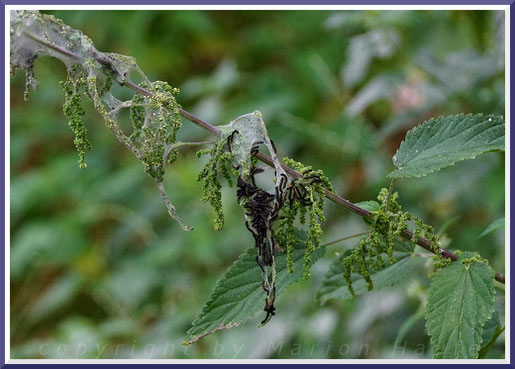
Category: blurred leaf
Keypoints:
(460, 301)
(140, 277)
(495, 225)
(380, 87)
(222, 79)
(79, 338)
(491, 331)
(334, 285)
(378, 43)
(55, 241)
(61, 292)
(441, 142)
(461, 70)
(407, 325)
(239, 294)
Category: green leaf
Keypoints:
(495, 225)
(491, 331)
(371, 206)
(441, 142)
(239, 294)
(334, 285)
(460, 301)
(407, 325)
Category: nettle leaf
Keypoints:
(460, 302)
(441, 142)
(334, 285)
(239, 295)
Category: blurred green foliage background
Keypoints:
(99, 270)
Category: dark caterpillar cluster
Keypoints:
(262, 209)
(297, 190)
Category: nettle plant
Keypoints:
(285, 215)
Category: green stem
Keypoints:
(346, 238)
(390, 190)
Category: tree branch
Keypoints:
(422, 242)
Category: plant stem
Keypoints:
(346, 238)
(423, 242)
(390, 190)
(52, 46)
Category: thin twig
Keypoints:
(423, 242)
(192, 143)
(53, 46)
(345, 238)
(390, 190)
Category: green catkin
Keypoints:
(474, 259)
(153, 153)
(363, 267)
(137, 112)
(391, 244)
(376, 244)
(156, 121)
(316, 217)
(290, 242)
(400, 222)
(417, 233)
(227, 170)
(438, 263)
(312, 242)
(74, 92)
(220, 161)
(347, 267)
(389, 223)
(313, 213)
(303, 211)
(286, 233)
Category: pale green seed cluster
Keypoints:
(388, 223)
(291, 211)
(156, 121)
(285, 233)
(439, 263)
(219, 162)
(75, 91)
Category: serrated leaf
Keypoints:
(495, 225)
(334, 285)
(460, 301)
(441, 142)
(239, 294)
